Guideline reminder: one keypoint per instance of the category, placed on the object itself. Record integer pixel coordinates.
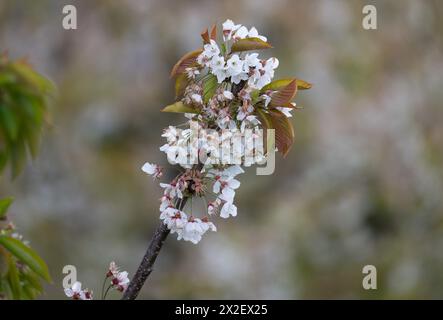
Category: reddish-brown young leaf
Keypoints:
(283, 96)
(205, 36)
(264, 118)
(267, 124)
(188, 60)
(214, 32)
(284, 131)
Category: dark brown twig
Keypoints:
(146, 266)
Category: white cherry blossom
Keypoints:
(76, 293)
(197, 98)
(211, 49)
(195, 229)
(253, 33)
(252, 61)
(174, 219)
(241, 33)
(191, 73)
(228, 209)
(120, 281)
(170, 134)
(153, 170)
(229, 27)
(234, 65)
(228, 95)
(218, 67)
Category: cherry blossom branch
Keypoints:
(229, 92)
(228, 105)
(145, 267)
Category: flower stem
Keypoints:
(103, 287)
(107, 290)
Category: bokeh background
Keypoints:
(362, 185)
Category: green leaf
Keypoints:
(179, 107)
(303, 85)
(5, 288)
(4, 206)
(210, 85)
(18, 157)
(13, 278)
(180, 85)
(32, 77)
(26, 255)
(249, 44)
(7, 78)
(30, 277)
(223, 49)
(28, 292)
(278, 84)
(8, 122)
(255, 95)
(33, 140)
(24, 101)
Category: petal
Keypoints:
(148, 168)
(216, 187)
(227, 195)
(77, 286)
(234, 184)
(69, 293)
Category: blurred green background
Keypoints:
(362, 185)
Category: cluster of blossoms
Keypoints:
(192, 182)
(228, 97)
(250, 68)
(118, 281)
(77, 293)
(202, 144)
